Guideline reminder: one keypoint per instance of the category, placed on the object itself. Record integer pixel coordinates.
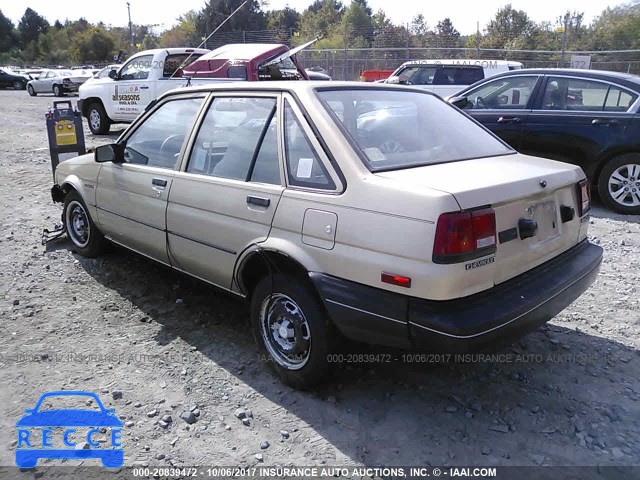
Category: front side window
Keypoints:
(417, 75)
(401, 129)
(137, 69)
(158, 141)
(238, 140)
(502, 93)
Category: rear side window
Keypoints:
(238, 140)
(585, 95)
(456, 75)
(176, 61)
(304, 168)
(238, 71)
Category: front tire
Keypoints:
(291, 329)
(57, 91)
(619, 184)
(83, 233)
(31, 91)
(99, 122)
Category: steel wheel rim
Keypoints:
(624, 185)
(17, 85)
(78, 226)
(94, 119)
(285, 331)
(56, 90)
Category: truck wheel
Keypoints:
(31, 91)
(619, 184)
(83, 233)
(99, 123)
(291, 330)
(57, 91)
(18, 85)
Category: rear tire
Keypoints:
(99, 122)
(31, 91)
(18, 85)
(619, 184)
(57, 91)
(291, 329)
(87, 240)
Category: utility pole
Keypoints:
(130, 24)
(564, 38)
(477, 39)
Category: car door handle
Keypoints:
(509, 120)
(144, 88)
(606, 123)
(262, 202)
(160, 182)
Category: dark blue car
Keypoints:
(67, 418)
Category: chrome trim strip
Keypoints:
(130, 219)
(365, 311)
(138, 252)
(206, 244)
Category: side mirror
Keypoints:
(460, 102)
(394, 79)
(109, 153)
(113, 74)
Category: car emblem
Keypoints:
(543, 183)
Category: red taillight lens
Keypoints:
(66, 80)
(461, 236)
(584, 197)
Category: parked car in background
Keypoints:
(11, 79)
(446, 77)
(374, 211)
(585, 117)
(57, 82)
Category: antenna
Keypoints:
(210, 35)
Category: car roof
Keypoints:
(293, 86)
(486, 63)
(245, 51)
(619, 77)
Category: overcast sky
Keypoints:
(464, 14)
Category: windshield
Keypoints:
(400, 129)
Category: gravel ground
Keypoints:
(161, 344)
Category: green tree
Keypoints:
(31, 26)
(249, 17)
(93, 45)
(321, 17)
(509, 28)
(185, 33)
(8, 37)
(358, 24)
(617, 29)
(285, 19)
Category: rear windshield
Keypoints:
(400, 129)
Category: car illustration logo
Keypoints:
(36, 435)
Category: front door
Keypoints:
(132, 196)
(503, 105)
(131, 91)
(225, 198)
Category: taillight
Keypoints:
(584, 197)
(66, 80)
(462, 236)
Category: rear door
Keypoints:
(132, 196)
(226, 195)
(576, 120)
(503, 105)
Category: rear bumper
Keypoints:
(496, 316)
(80, 104)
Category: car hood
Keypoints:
(69, 418)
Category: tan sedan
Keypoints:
(375, 212)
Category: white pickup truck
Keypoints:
(125, 94)
(122, 96)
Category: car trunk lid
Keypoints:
(521, 190)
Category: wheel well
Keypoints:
(603, 162)
(263, 262)
(87, 103)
